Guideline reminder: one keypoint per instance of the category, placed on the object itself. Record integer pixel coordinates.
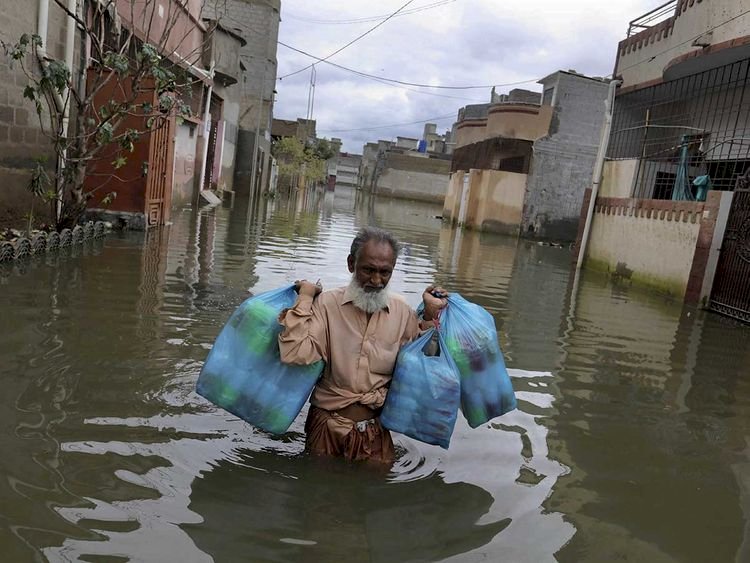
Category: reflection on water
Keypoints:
(630, 441)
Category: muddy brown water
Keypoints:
(630, 442)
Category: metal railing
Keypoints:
(655, 16)
(695, 126)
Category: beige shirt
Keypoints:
(359, 355)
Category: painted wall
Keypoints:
(180, 21)
(231, 97)
(494, 203)
(185, 170)
(663, 245)
(512, 121)
(672, 39)
(618, 178)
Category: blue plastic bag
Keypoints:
(243, 373)
(471, 339)
(425, 394)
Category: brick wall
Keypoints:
(21, 139)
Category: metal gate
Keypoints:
(160, 171)
(731, 290)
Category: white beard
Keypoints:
(369, 302)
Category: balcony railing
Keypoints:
(655, 16)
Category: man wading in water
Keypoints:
(357, 331)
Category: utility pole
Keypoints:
(254, 174)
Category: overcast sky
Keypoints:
(455, 43)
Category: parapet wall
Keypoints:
(662, 244)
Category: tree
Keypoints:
(147, 88)
(299, 161)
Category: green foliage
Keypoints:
(295, 159)
(109, 198)
(117, 62)
(119, 161)
(132, 74)
(322, 149)
(105, 133)
(40, 181)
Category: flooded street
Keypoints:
(631, 441)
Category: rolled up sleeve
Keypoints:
(304, 338)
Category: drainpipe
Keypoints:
(206, 127)
(598, 170)
(41, 50)
(70, 36)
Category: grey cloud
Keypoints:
(484, 49)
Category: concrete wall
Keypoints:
(231, 97)
(257, 21)
(21, 139)
(663, 245)
(618, 178)
(513, 121)
(493, 201)
(563, 162)
(518, 121)
(411, 184)
(186, 171)
(644, 57)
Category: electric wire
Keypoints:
(353, 41)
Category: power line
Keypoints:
(370, 18)
(337, 51)
(402, 82)
(385, 81)
(437, 118)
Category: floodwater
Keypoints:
(631, 441)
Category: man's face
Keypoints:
(374, 267)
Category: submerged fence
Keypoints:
(688, 134)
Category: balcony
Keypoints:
(223, 49)
(654, 17)
(680, 38)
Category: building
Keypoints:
(521, 164)
(398, 169)
(183, 157)
(222, 49)
(171, 164)
(677, 159)
(347, 170)
(166, 164)
(257, 22)
(302, 129)
(435, 143)
(407, 143)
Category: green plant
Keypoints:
(84, 131)
(299, 161)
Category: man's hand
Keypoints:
(304, 287)
(435, 298)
